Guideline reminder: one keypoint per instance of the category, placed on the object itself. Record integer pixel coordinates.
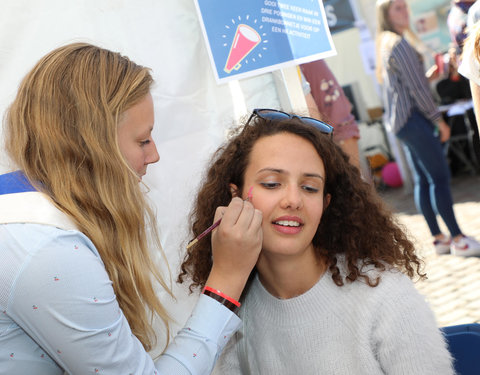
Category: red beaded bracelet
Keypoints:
(225, 300)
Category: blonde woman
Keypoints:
(414, 118)
(76, 291)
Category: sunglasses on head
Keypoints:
(274, 114)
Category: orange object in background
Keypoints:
(377, 162)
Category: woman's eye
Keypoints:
(145, 142)
(270, 185)
(310, 189)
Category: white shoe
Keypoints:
(466, 247)
(442, 246)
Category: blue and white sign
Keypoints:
(251, 37)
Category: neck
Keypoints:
(400, 30)
(286, 276)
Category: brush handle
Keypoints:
(215, 224)
(204, 233)
(209, 229)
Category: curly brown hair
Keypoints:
(356, 224)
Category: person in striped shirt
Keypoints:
(413, 116)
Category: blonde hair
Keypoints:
(61, 131)
(387, 36)
(472, 42)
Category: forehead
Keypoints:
(139, 118)
(285, 150)
(398, 4)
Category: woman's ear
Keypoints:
(234, 190)
(326, 201)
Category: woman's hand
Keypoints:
(433, 73)
(444, 130)
(236, 245)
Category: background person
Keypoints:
(332, 105)
(77, 290)
(414, 118)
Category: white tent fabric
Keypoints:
(192, 111)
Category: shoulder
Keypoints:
(41, 261)
(389, 279)
(391, 283)
(397, 295)
(397, 47)
(34, 238)
(54, 263)
(33, 250)
(389, 40)
(395, 298)
(393, 280)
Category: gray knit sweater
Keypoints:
(353, 329)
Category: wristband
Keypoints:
(225, 300)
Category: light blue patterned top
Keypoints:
(58, 310)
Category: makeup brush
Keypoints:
(214, 225)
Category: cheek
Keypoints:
(316, 210)
(318, 214)
(264, 208)
(140, 159)
(391, 16)
(135, 158)
(264, 203)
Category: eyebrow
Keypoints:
(146, 133)
(281, 171)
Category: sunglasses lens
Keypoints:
(270, 114)
(273, 114)
(320, 125)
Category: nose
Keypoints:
(292, 198)
(152, 155)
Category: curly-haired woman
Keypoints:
(331, 293)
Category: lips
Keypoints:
(288, 224)
(290, 221)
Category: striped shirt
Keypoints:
(405, 86)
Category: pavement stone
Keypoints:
(453, 285)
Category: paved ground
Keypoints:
(453, 284)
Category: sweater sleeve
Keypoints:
(409, 66)
(406, 337)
